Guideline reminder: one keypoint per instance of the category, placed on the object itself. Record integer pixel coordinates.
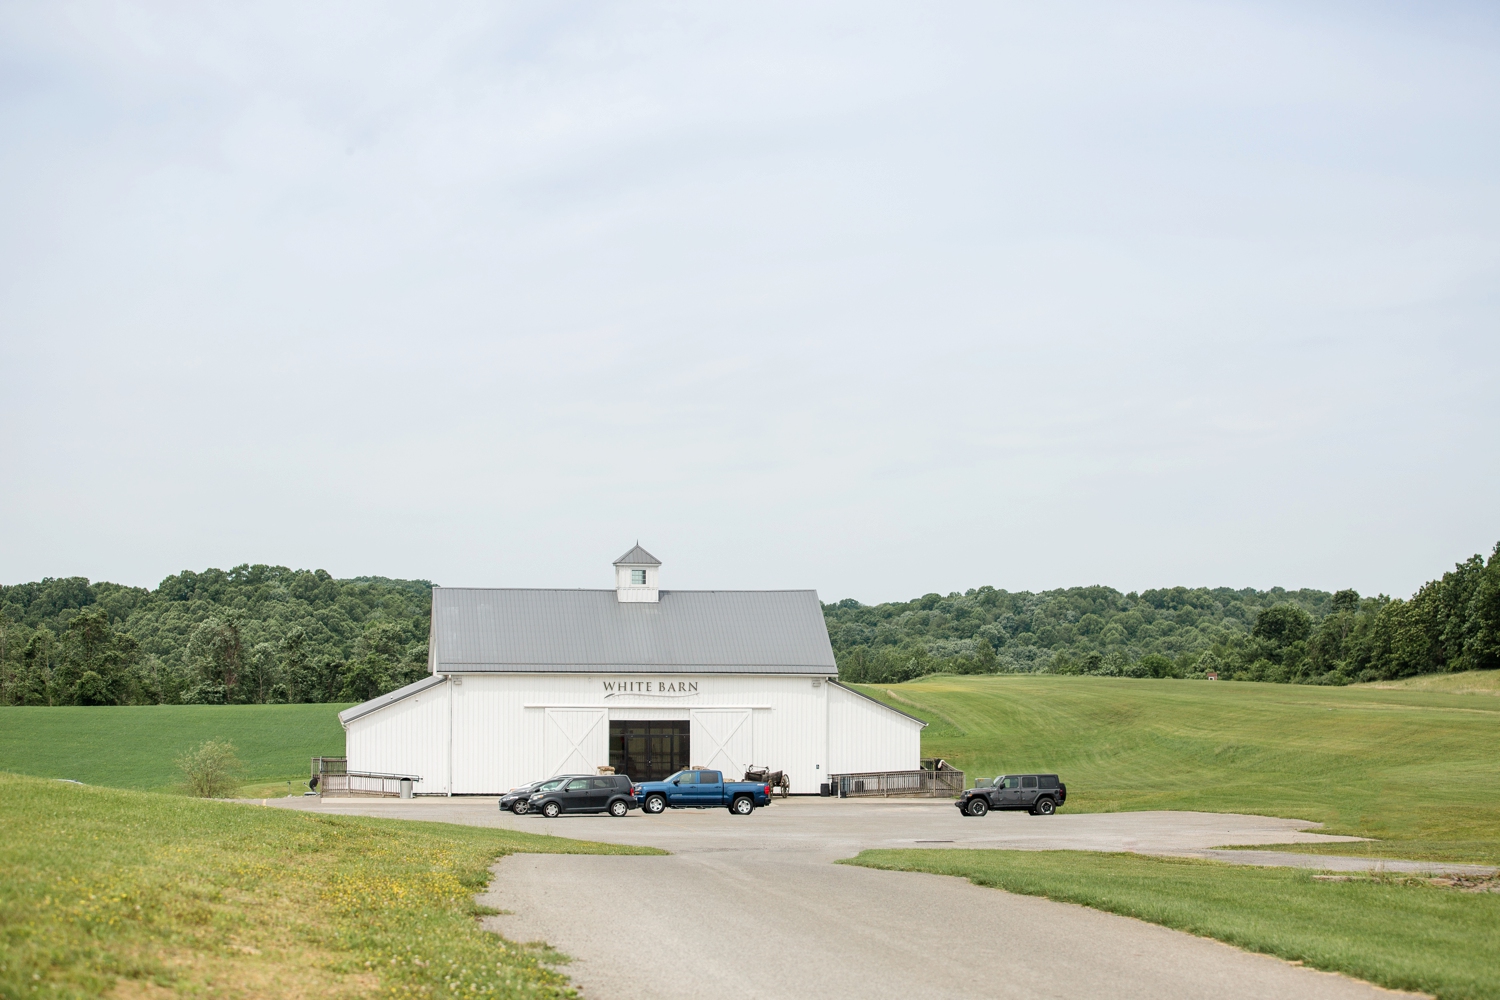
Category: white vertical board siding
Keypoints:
(650, 714)
(407, 737)
(789, 734)
(866, 736)
(498, 744)
(509, 729)
(722, 739)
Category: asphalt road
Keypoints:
(754, 907)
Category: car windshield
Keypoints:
(547, 786)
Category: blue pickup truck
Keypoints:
(702, 790)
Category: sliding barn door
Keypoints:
(574, 741)
(722, 741)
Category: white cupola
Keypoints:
(635, 576)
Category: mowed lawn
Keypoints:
(137, 746)
(139, 895)
(1417, 769)
(1402, 933)
(1464, 682)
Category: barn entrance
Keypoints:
(648, 750)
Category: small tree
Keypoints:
(1152, 665)
(301, 679)
(212, 770)
(97, 663)
(367, 678)
(217, 647)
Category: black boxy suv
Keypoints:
(609, 793)
(1038, 794)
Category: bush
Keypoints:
(212, 771)
(1062, 663)
(1154, 665)
(1112, 665)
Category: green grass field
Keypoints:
(137, 747)
(1417, 769)
(141, 895)
(1400, 933)
(1466, 682)
(1413, 764)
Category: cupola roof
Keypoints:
(637, 556)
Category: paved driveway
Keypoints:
(753, 907)
(839, 828)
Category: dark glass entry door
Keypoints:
(648, 751)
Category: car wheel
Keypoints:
(655, 804)
(519, 809)
(1044, 807)
(551, 809)
(978, 807)
(743, 806)
(618, 808)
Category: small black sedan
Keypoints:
(517, 799)
(611, 793)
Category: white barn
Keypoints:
(530, 683)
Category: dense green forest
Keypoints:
(251, 634)
(271, 634)
(1303, 636)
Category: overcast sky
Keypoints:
(880, 299)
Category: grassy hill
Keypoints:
(137, 746)
(1465, 682)
(1415, 768)
(130, 895)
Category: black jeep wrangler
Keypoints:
(1038, 794)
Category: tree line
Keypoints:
(252, 634)
(1304, 636)
(269, 634)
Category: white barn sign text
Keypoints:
(650, 687)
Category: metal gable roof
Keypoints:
(573, 631)
(348, 715)
(637, 557)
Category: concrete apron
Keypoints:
(753, 907)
